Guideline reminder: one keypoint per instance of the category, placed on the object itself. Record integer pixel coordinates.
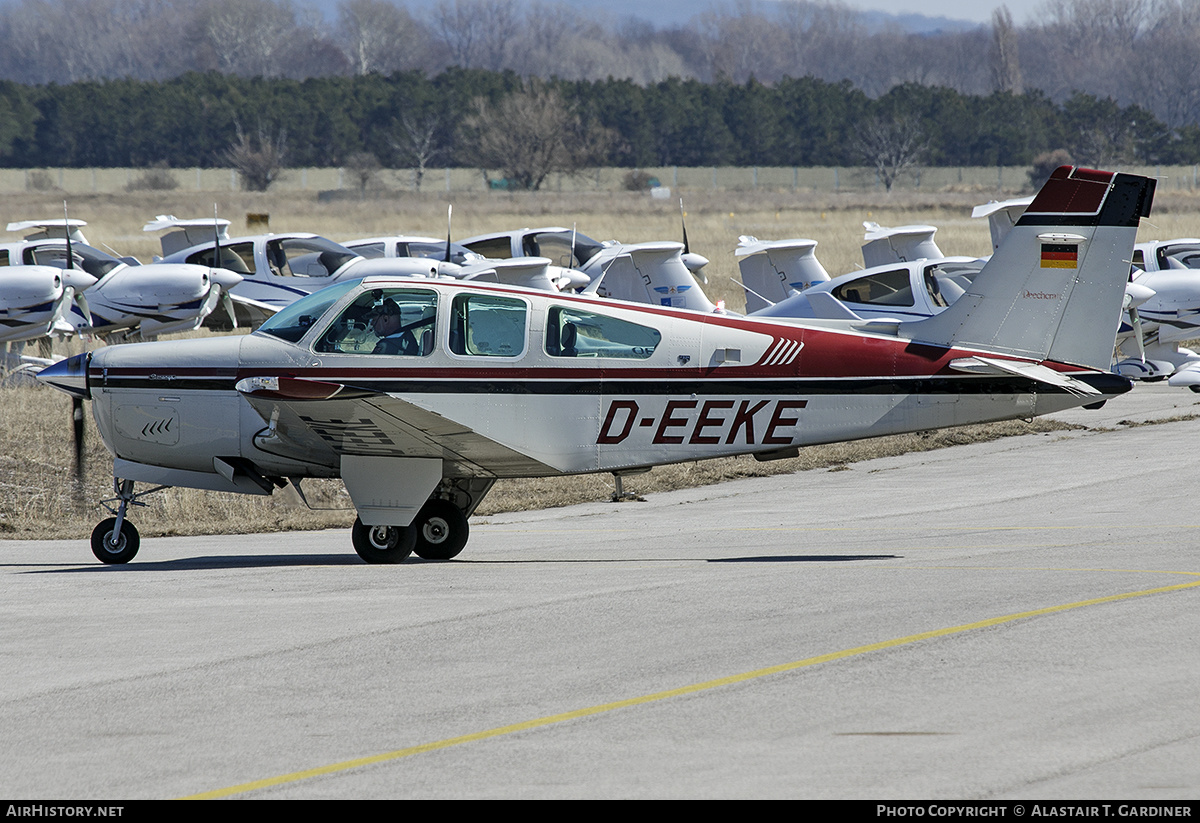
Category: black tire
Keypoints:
(383, 544)
(126, 545)
(441, 530)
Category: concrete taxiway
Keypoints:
(1011, 619)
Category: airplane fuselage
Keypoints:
(710, 386)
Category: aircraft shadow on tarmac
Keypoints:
(258, 561)
(804, 558)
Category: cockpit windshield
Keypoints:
(91, 260)
(293, 322)
(306, 257)
(564, 248)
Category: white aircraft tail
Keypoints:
(652, 273)
(51, 229)
(529, 272)
(773, 270)
(902, 244)
(187, 233)
(1002, 216)
(1053, 289)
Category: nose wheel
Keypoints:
(113, 543)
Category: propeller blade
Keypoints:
(217, 243)
(67, 232)
(683, 222)
(1137, 332)
(77, 426)
(227, 302)
(449, 216)
(82, 304)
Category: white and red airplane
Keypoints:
(491, 381)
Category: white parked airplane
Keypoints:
(274, 269)
(493, 381)
(124, 296)
(655, 273)
(35, 299)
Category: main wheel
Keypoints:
(441, 529)
(383, 544)
(118, 550)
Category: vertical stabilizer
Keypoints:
(1054, 287)
(902, 244)
(1002, 216)
(773, 270)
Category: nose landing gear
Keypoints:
(116, 540)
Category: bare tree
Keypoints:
(1045, 164)
(364, 167)
(1163, 78)
(414, 139)
(249, 37)
(477, 33)
(531, 134)
(378, 36)
(1006, 66)
(258, 160)
(892, 145)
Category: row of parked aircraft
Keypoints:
(419, 392)
(60, 285)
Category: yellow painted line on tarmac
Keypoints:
(500, 731)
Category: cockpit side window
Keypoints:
(572, 332)
(385, 321)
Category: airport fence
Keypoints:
(827, 179)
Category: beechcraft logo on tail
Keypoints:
(1060, 256)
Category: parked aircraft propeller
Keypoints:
(695, 262)
(71, 281)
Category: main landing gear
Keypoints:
(439, 532)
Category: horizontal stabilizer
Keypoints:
(1042, 374)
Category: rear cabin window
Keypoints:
(575, 333)
(485, 325)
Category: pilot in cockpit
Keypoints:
(388, 324)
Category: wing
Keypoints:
(322, 422)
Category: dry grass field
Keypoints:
(39, 498)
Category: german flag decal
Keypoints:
(1060, 256)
